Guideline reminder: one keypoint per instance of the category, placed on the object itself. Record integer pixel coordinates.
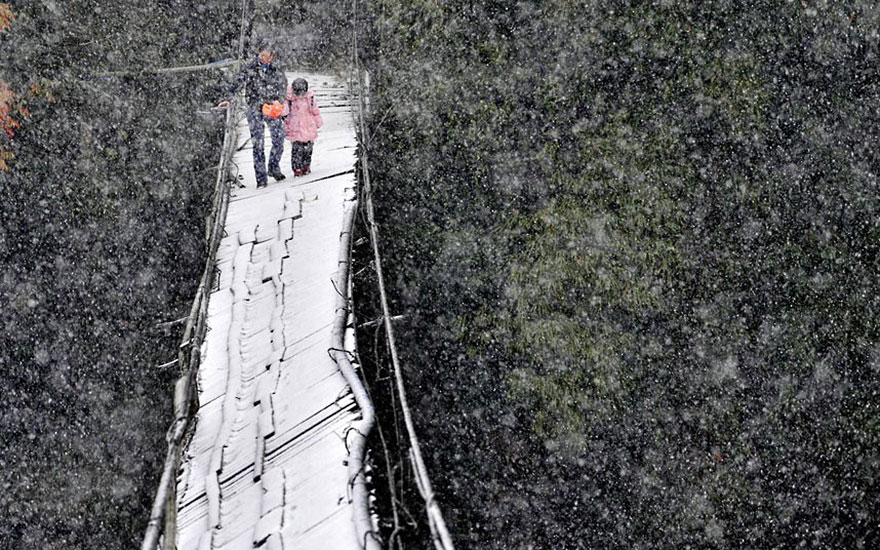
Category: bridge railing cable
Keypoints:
(163, 519)
(439, 531)
(356, 436)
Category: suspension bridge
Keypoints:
(267, 459)
(271, 426)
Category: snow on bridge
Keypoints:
(267, 460)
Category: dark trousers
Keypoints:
(256, 119)
(301, 154)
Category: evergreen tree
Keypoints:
(638, 246)
(101, 238)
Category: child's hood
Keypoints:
(309, 94)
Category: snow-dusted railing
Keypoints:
(188, 355)
(356, 437)
(439, 532)
(164, 505)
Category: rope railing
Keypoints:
(439, 531)
(163, 514)
(356, 436)
(222, 63)
(164, 505)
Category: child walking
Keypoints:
(301, 125)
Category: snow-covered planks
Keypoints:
(266, 464)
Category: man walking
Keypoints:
(264, 86)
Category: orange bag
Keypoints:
(273, 110)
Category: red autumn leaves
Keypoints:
(11, 109)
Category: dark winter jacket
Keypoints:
(262, 83)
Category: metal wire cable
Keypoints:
(356, 445)
(439, 531)
(164, 504)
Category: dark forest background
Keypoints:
(635, 245)
(101, 239)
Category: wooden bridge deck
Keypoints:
(266, 464)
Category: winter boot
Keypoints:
(277, 175)
(306, 170)
(298, 172)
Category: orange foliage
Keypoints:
(13, 106)
(9, 106)
(6, 16)
(7, 96)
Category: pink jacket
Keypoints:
(304, 118)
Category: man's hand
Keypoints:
(223, 104)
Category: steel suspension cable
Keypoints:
(164, 504)
(440, 533)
